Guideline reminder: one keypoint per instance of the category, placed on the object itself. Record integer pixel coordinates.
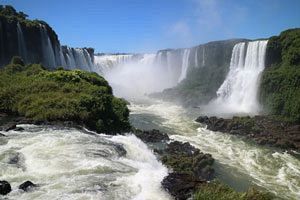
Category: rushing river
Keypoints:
(71, 164)
(68, 163)
(238, 163)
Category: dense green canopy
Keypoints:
(78, 96)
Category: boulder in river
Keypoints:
(5, 188)
(152, 136)
(181, 185)
(264, 130)
(27, 185)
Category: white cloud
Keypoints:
(208, 14)
(208, 19)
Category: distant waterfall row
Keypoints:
(54, 55)
(174, 64)
(239, 90)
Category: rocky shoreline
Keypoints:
(189, 168)
(264, 130)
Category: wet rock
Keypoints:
(27, 185)
(190, 168)
(183, 157)
(264, 130)
(19, 129)
(5, 188)
(2, 135)
(152, 136)
(10, 126)
(120, 150)
(181, 185)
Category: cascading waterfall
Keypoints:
(70, 58)
(203, 56)
(80, 59)
(62, 58)
(196, 57)
(185, 64)
(21, 43)
(169, 62)
(76, 58)
(48, 53)
(104, 63)
(238, 93)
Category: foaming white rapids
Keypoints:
(70, 164)
(150, 172)
(275, 171)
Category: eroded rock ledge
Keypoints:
(264, 130)
(189, 168)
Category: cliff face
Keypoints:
(280, 83)
(36, 42)
(23, 37)
(207, 66)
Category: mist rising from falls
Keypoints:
(134, 77)
(238, 93)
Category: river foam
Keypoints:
(268, 168)
(69, 164)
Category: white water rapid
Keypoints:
(71, 164)
(238, 163)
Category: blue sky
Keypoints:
(149, 25)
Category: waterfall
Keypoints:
(185, 64)
(239, 90)
(48, 53)
(196, 57)
(62, 58)
(169, 62)
(71, 64)
(203, 56)
(104, 63)
(21, 43)
(76, 58)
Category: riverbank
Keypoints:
(264, 130)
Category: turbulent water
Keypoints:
(71, 164)
(238, 93)
(238, 163)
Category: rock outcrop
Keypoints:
(5, 188)
(264, 130)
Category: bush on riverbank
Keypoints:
(82, 97)
(280, 85)
(218, 191)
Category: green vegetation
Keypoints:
(218, 191)
(78, 96)
(12, 15)
(280, 86)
